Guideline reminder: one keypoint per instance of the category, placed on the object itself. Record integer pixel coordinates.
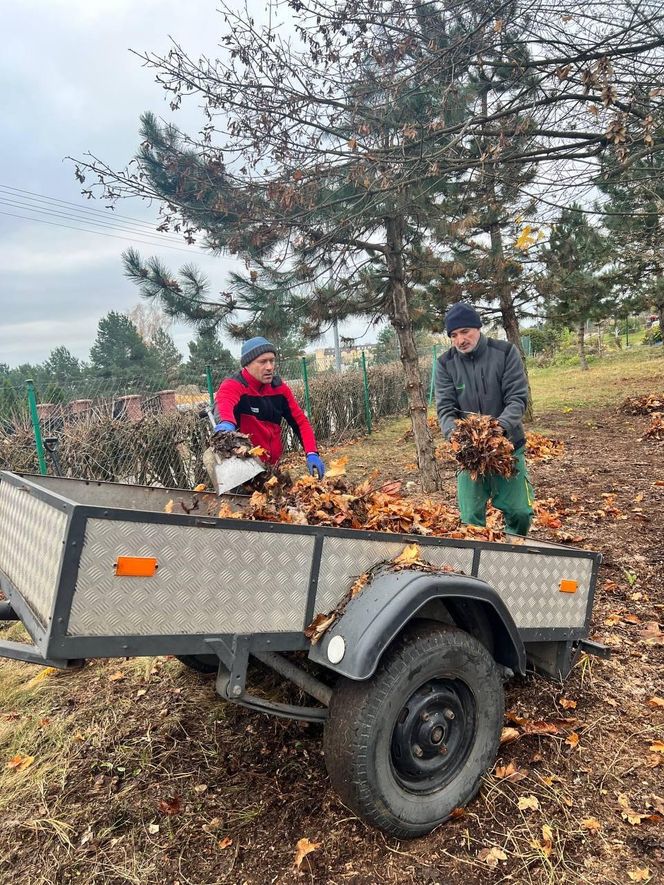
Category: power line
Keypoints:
(92, 216)
(43, 197)
(100, 233)
(154, 237)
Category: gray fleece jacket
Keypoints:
(490, 380)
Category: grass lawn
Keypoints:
(608, 381)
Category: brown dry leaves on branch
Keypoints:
(481, 448)
(642, 405)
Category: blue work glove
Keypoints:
(225, 427)
(315, 464)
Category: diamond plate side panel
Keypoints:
(208, 581)
(529, 585)
(32, 536)
(345, 559)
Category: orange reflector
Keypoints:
(135, 566)
(568, 586)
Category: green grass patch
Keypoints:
(606, 383)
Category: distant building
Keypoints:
(351, 356)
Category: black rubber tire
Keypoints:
(205, 664)
(365, 719)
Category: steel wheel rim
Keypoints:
(432, 735)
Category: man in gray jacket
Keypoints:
(486, 376)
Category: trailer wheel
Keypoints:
(200, 663)
(408, 746)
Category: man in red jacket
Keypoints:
(255, 401)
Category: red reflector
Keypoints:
(136, 566)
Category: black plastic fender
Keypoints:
(382, 609)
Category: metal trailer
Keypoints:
(408, 680)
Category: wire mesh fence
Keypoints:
(135, 431)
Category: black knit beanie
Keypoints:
(462, 316)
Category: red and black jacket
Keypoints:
(258, 410)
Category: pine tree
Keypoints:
(207, 350)
(167, 357)
(346, 144)
(634, 217)
(63, 365)
(120, 353)
(577, 287)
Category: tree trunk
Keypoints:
(401, 321)
(582, 345)
(508, 314)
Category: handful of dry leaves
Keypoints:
(233, 444)
(481, 448)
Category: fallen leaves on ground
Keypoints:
(655, 428)
(627, 812)
(591, 824)
(507, 735)
(510, 772)
(170, 806)
(640, 874)
(44, 673)
(491, 856)
(642, 405)
(528, 803)
(302, 848)
(481, 447)
(20, 761)
(545, 844)
(541, 448)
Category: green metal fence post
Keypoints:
(208, 375)
(32, 402)
(367, 405)
(305, 378)
(433, 371)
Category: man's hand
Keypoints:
(225, 427)
(315, 464)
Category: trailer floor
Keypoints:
(132, 771)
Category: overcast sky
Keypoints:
(69, 84)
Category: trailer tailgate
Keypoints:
(32, 540)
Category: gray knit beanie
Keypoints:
(253, 348)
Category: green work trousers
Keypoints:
(513, 496)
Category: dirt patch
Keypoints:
(141, 775)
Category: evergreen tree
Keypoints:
(207, 350)
(344, 147)
(634, 217)
(120, 353)
(62, 365)
(167, 357)
(577, 286)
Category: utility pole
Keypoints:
(337, 348)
